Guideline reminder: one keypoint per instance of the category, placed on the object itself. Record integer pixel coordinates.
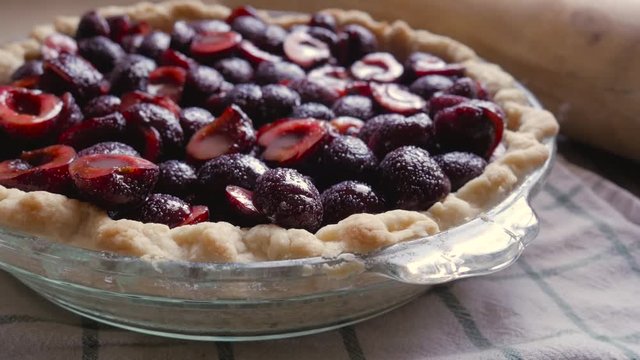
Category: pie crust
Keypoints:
(81, 224)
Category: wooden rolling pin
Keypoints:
(580, 57)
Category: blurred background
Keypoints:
(580, 57)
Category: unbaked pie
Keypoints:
(188, 131)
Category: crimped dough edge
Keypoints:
(81, 224)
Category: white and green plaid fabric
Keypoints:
(574, 294)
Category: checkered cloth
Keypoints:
(575, 294)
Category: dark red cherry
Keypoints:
(114, 181)
(278, 72)
(412, 180)
(316, 90)
(474, 127)
(28, 74)
(347, 198)
(28, 115)
(167, 81)
(232, 169)
(235, 70)
(323, 19)
(380, 67)
(109, 147)
(312, 110)
(357, 106)
(245, 10)
(70, 114)
(147, 140)
(182, 35)
(417, 130)
(248, 97)
(102, 52)
(154, 44)
(240, 205)
(396, 98)
(372, 125)
(92, 24)
(193, 119)
(346, 158)
(277, 102)
(305, 50)
(162, 120)
(212, 46)
(428, 85)
(468, 88)
(420, 64)
(289, 142)
(102, 106)
(94, 130)
(131, 73)
(354, 42)
(199, 214)
(254, 54)
(231, 132)
(460, 167)
(43, 169)
(444, 101)
(174, 58)
(251, 28)
(201, 82)
(272, 39)
(138, 97)
(288, 199)
(71, 73)
(56, 44)
(176, 178)
(163, 209)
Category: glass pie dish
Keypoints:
(274, 299)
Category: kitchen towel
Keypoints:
(574, 294)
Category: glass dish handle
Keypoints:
(487, 244)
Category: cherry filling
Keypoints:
(164, 124)
(28, 114)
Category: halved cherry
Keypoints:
(359, 87)
(135, 97)
(71, 114)
(71, 73)
(291, 141)
(94, 130)
(199, 213)
(147, 140)
(231, 132)
(167, 81)
(175, 58)
(243, 211)
(28, 114)
(347, 125)
(254, 54)
(305, 50)
(380, 66)
(472, 126)
(420, 64)
(396, 98)
(57, 43)
(43, 169)
(336, 77)
(114, 180)
(443, 101)
(245, 10)
(214, 44)
(163, 120)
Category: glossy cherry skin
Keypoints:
(42, 169)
